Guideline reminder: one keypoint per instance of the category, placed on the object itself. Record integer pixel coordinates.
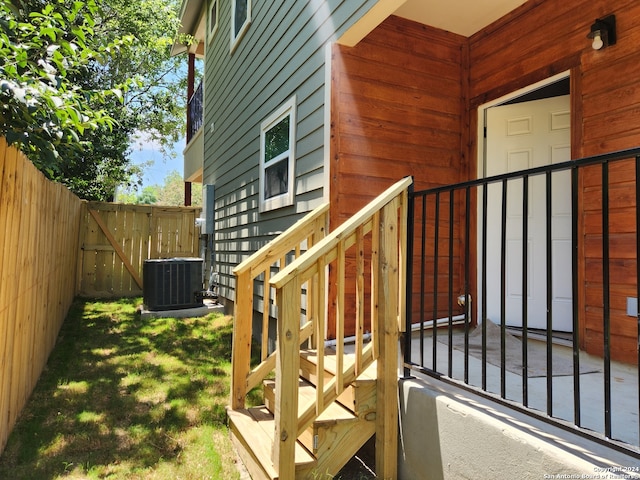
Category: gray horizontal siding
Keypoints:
(282, 54)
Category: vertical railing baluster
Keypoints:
(549, 226)
(485, 201)
(637, 179)
(467, 261)
(312, 305)
(375, 262)
(266, 302)
(423, 276)
(574, 295)
(436, 234)
(450, 312)
(319, 333)
(411, 209)
(503, 289)
(340, 312)
(404, 284)
(525, 289)
(606, 292)
(360, 298)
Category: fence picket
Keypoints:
(39, 224)
(117, 239)
(51, 249)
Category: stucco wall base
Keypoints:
(448, 433)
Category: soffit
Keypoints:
(464, 17)
(192, 22)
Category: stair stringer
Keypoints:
(341, 430)
(338, 442)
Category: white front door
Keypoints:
(522, 136)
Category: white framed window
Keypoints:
(240, 20)
(212, 19)
(277, 157)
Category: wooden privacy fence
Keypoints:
(39, 232)
(54, 246)
(116, 239)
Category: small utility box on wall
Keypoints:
(208, 208)
(172, 283)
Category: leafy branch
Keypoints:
(41, 52)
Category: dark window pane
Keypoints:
(214, 15)
(276, 179)
(240, 16)
(276, 140)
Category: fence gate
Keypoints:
(116, 239)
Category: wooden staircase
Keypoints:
(321, 404)
(333, 438)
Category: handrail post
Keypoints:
(241, 345)
(287, 371)
(388, 307)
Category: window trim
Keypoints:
(212, 29)
(235, 39)
(288, 109)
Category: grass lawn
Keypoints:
(123, 397)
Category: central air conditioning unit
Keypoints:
(172, 283)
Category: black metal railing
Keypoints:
(470, 237)
(194, 113)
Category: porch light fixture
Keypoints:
(603, 32)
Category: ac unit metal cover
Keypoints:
(172, 283)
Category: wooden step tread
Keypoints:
(359, 397)
(255, 429)
(310, 356)
(334, 413)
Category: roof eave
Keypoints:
(190, 15)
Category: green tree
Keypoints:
(41, 51)
(131, 196)
(109, 75)
(149, 195)
(155, 100)
(172, 191)
(126, 196)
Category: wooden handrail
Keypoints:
(299, 237)
(379, 221)
(347, 229)
(285, 241)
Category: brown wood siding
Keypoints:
(544, 37)
(397, 109)
(397, 99)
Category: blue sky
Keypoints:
(143, 150)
